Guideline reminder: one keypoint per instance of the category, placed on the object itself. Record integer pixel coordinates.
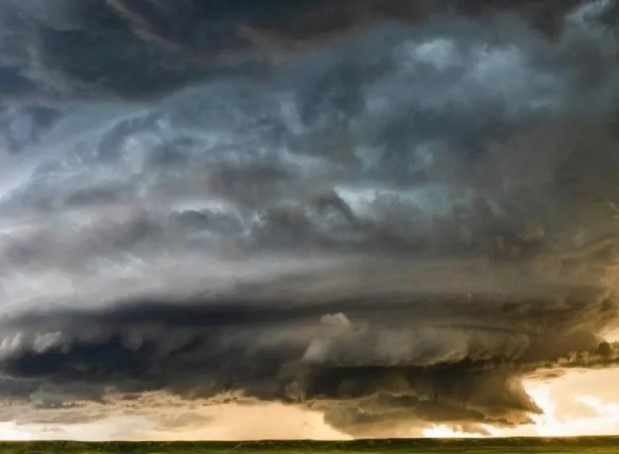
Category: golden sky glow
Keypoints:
(580, 402)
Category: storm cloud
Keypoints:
(387, 212)
(61, 48)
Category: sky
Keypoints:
(324, 219)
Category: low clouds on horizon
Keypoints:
(386, 212)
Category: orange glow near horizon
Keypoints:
(10, 432)
(580, 402)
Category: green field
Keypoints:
(600, 445)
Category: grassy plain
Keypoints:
(581, 445)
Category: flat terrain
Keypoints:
(597, 445)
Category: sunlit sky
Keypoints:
(581, 402)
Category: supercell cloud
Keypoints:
(386, 212)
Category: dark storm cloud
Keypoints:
(391, 228)
(140, 49)
(389, 360)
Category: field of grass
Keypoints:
(589, 445)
